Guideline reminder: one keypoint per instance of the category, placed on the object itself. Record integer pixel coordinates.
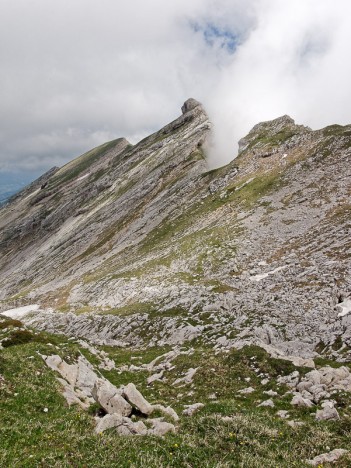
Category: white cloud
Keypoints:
(75, 74)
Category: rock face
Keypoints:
(133, 245)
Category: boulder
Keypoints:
(298, 400)
(328, 413)
(123, 425)
(191, 409)
(246, 391)
(330, 457)
(86, 377)
(187, 378)
(107, 422)
(136, 399)
(166, 410)
(110, 398)
(160, 427)
(269, 403)
(283, 414)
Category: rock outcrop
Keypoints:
(82, 386)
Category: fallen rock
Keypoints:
(271, 393)
(191, 409)
(155, 377)
(123, 425)
(283, 414)
(290, 380)
(166, 410)
(110, 398)
(298, 400)
(136, 399)
(269, 403)
(107, 422)
(246, 391)
(327, 414)
(188, 377)
(70, 395)
(330, 457)
(295, 424)
(86, 377)
(160, 427)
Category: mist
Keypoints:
(77, 74)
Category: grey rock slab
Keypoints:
(284, 414)
(246, 391)
(269, 403)
(329, 457)
(327, 414)
(136, 399)
(191, 409)
(155, 378)
(70, 395)
(160, 428)
(110, 398)
(86, 376)
(187, 378)
(107, 422)
(295, 424)
(298, 400)
(166, 410)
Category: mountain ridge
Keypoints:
(148, 241)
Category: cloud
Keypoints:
(75, 74)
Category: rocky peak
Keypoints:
(271, 134)
(189, 105)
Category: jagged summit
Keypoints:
(190, 104)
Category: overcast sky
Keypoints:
(76, 73)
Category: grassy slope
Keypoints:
(250, 437)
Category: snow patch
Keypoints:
(265, 275)
(20, 312)
(84, 176)
(345, 307)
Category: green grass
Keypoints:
(230, 431)
(268, 140)
(80, 164)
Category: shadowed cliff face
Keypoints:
(148, 246)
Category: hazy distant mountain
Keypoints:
(13, 182)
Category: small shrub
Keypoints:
(19, 337)
(9, 322)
